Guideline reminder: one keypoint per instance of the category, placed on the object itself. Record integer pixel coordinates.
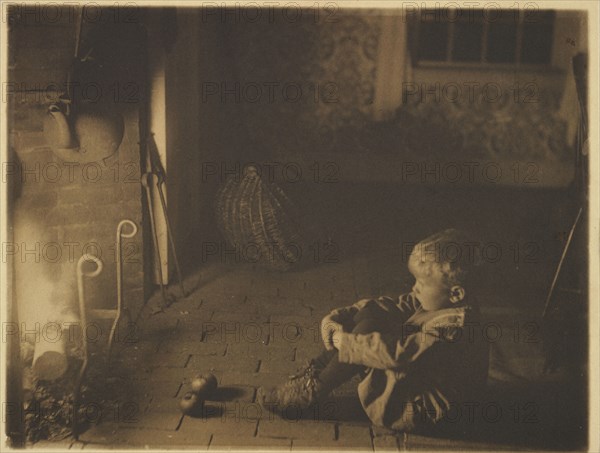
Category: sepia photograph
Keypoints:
(299, 226)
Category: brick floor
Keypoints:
(227, 442)
(261, 351)
(254, 379)
(231, 421)
(117, 436)
(293, 428)
(250, 328)
(197, 348)
(387, 443)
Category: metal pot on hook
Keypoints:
(90, 134)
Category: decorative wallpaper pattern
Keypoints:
(333, 64)
(336, 66)
(504, 130)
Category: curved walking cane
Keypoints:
(120, 235)
(83, 317)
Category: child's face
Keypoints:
(429, 286)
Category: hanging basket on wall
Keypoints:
(259, 221)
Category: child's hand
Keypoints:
(335, 339)
(329, 328)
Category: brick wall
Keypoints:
(63, 209)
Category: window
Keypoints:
(510, 37)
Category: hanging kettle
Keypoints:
(91, 134)
(83, 131)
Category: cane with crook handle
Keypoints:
(120, 235)
(83, 317)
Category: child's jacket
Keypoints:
(416, 373)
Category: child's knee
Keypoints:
(373, 313)
(366, 325)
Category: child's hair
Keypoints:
(451, 252)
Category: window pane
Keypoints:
(433, 41)
(537, 38)
(502, 42)
(467, 41)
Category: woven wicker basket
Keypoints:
(259, 221)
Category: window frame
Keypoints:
(449, 63)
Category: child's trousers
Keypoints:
(335, 373)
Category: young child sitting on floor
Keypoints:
(417, 355)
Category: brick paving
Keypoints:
(250, 328)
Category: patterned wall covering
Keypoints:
(333, 63)
(340, 59)
(477, 129)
